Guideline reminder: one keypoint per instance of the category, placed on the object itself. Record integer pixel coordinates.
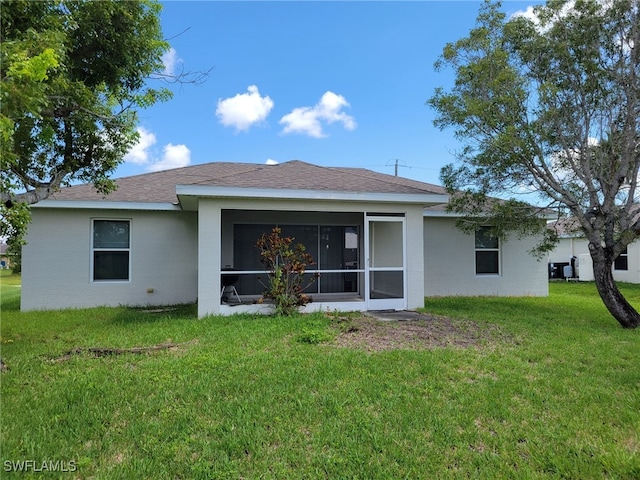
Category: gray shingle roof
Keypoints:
(161, 186)
(566, 227)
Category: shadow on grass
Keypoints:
(11, 304)
(151, 314)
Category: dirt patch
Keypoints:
(98, 352)
(421, 332)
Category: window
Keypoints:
(111, 250)
(487, 252)
(622, 262)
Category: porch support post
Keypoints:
(209, 245)
(415, 254)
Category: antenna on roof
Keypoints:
(396, 165)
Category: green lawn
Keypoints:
(555, 394)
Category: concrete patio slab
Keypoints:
(396, 315)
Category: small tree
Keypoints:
(286, 264)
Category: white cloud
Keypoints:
(528, 13)
(139, 153)
(143, 153)
(309, 120)
(271, 161)
(174, 156)
(170, 60)
(244, 110)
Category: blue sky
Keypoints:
(330, 83)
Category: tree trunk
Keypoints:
(615, 302)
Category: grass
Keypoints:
(246, 397)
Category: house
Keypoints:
(5, 257)
(380, 242)
(572, 250)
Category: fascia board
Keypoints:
(92, 205)
(570, 236)
(438, 213)
(295, 194)
(444, 214)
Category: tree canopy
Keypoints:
(549, 104)
(73, 76)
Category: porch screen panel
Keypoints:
(386, 284)
(246, 257)
(386, 245)
(332, 248)
(307, 235)
(338, 251)
(338, 282)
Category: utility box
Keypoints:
(586, 268)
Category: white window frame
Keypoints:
(112, 249)
(476, 250)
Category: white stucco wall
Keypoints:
(449, 265)
(56, 260)
(166, 247)
(578, 246)
(567, 248)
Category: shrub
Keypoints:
(313, 336)
(286, 265)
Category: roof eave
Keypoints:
(202, 191)
(445, 214)
(106, 205)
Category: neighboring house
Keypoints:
(5, 260)
(573, 250)
(379, 241)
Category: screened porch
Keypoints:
(334, 240)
